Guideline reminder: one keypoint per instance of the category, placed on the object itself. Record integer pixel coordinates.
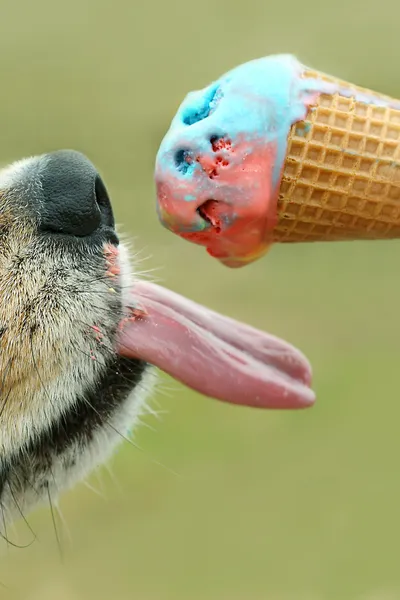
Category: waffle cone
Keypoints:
(341, 177)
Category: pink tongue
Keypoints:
(213, 354)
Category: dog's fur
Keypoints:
(66, 396)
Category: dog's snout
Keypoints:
(74, 199)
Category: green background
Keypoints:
(220, 503)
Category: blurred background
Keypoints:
(220, 502)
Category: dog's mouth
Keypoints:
(213, 354)
(80, 335)
(217, 356)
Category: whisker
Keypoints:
(4, 375)
(146, 425)
(64, 523)
(20, 512)
(155, 412)
(53, 518)
(94, 490)
(5, 537)
(113, 478)
(3, 518)
(2, 409)
(5, 403)
(28, 481)
(131, 442)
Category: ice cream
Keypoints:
(273, 151)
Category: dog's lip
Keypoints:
(213, 354)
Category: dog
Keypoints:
(80, 336)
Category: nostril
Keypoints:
(104, 202)
(74, 200)
(202, 107)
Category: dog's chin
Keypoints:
(78, 398)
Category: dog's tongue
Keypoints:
(213, 354)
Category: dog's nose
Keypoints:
(74, 199)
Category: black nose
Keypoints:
(74, 200)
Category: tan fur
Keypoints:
(59, 312)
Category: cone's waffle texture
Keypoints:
(341, 177)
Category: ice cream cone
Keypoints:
(276, 152)
(341, 176)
